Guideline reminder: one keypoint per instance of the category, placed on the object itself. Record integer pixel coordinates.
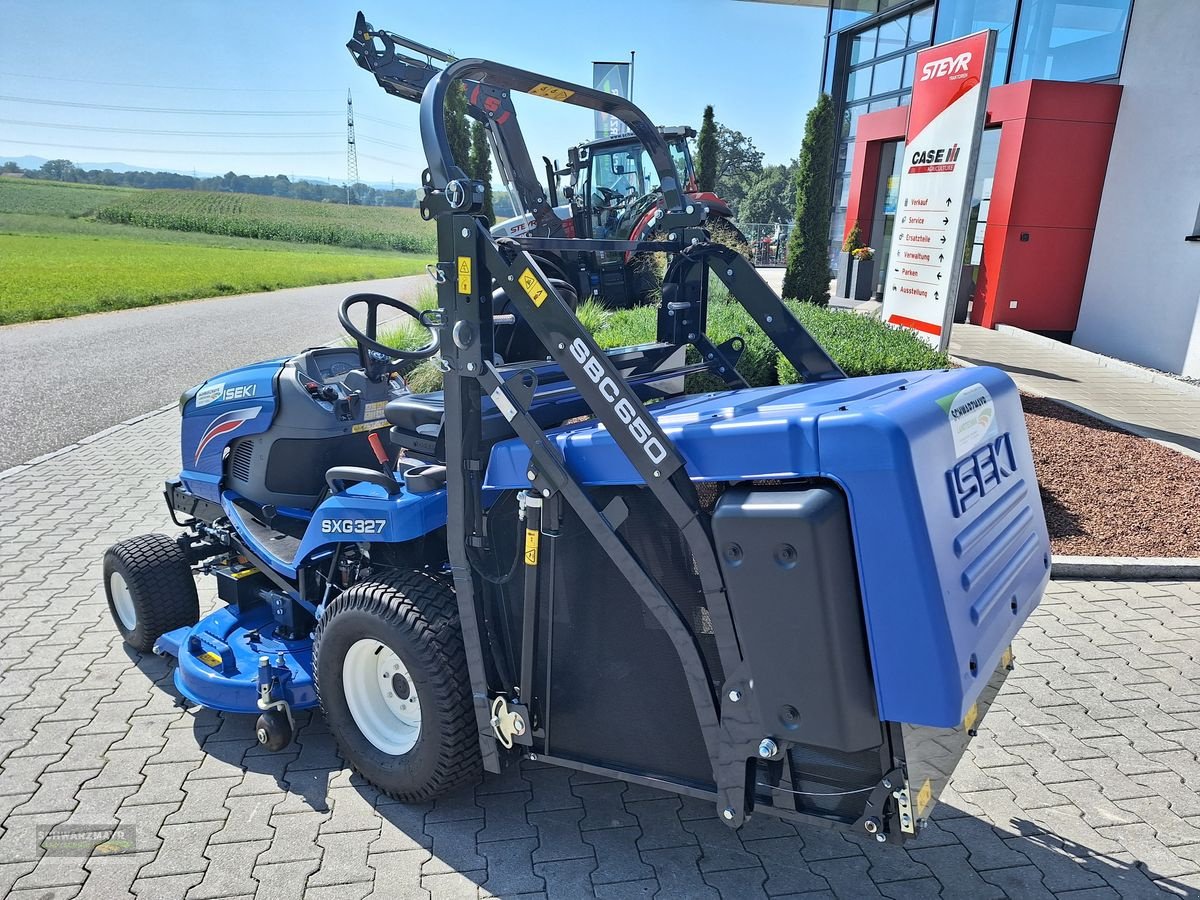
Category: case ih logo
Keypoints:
(953, 66)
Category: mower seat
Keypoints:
(417, 420)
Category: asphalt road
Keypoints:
(65, 379)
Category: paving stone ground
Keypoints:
(1081, 783)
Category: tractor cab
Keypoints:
(614, 185)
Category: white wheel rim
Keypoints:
(382, 697)
(122, 601)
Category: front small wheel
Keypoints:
(391, 675)
(150, 589)
(273, 730)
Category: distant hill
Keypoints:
(36, 162)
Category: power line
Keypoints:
(375, 140)
(187, 152)
(386, 122)
(163, 109)
(254, 134)
(174, 87)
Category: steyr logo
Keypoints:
(973, 478)
(954, 66)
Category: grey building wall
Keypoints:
(1141, 300)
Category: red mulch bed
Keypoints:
(1107, 492)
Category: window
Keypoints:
(847, 12)
(956, 18)
(1070, 40)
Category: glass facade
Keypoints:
(875, 63)
(872, 44)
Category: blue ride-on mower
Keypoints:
(795, 600)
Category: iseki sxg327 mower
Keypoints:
(794, 601)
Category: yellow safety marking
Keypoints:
(210, 659)
(550, 92)
(369, 426)
(971, 717)
(244, 573)
(924, 796)
(464, 274)
(1006, 658)
(533, 287)
(531, 546)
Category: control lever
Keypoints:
(380, 452)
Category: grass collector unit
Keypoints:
(795, 601)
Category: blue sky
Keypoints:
(189, 65)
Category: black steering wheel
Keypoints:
(369, 341)
(609, 199)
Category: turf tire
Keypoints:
(159, 580)
(416, 616)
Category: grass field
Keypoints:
(54, 198)
(275, 219)
(57, 260)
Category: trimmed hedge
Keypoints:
(861, 345)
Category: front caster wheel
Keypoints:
(392, 679)
(273, 730)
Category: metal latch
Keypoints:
(506, 723)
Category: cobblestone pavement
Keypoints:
(1080, 783)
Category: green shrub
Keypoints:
(861, 345)
(628, 327)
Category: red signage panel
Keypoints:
(945, 125)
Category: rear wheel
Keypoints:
(392, 679)
(150, 589)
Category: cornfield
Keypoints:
(274, 219)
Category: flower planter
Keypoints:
(862, 282)
(844, 273)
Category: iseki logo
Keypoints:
(953, 66)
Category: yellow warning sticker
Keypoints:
(531, 546)
(923, 797)
(464, 274)
(210, 659)
(971, 717)
(533, 287)
(550, 92)
(369, 426)
(243, 573)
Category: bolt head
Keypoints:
(767, 748)
(871, 825)
(729, 272)
(881, 838)
(735, 696)
(673, 236)
(727, 813)
(887, 783)
(261, 735)
(690, 209)
(546, 492)
(530, 475)
(466, 232)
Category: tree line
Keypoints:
(800, 192)
(231, 182)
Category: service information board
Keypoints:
(945, 125)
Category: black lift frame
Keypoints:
(470, 262)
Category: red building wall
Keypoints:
(1054, 143)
